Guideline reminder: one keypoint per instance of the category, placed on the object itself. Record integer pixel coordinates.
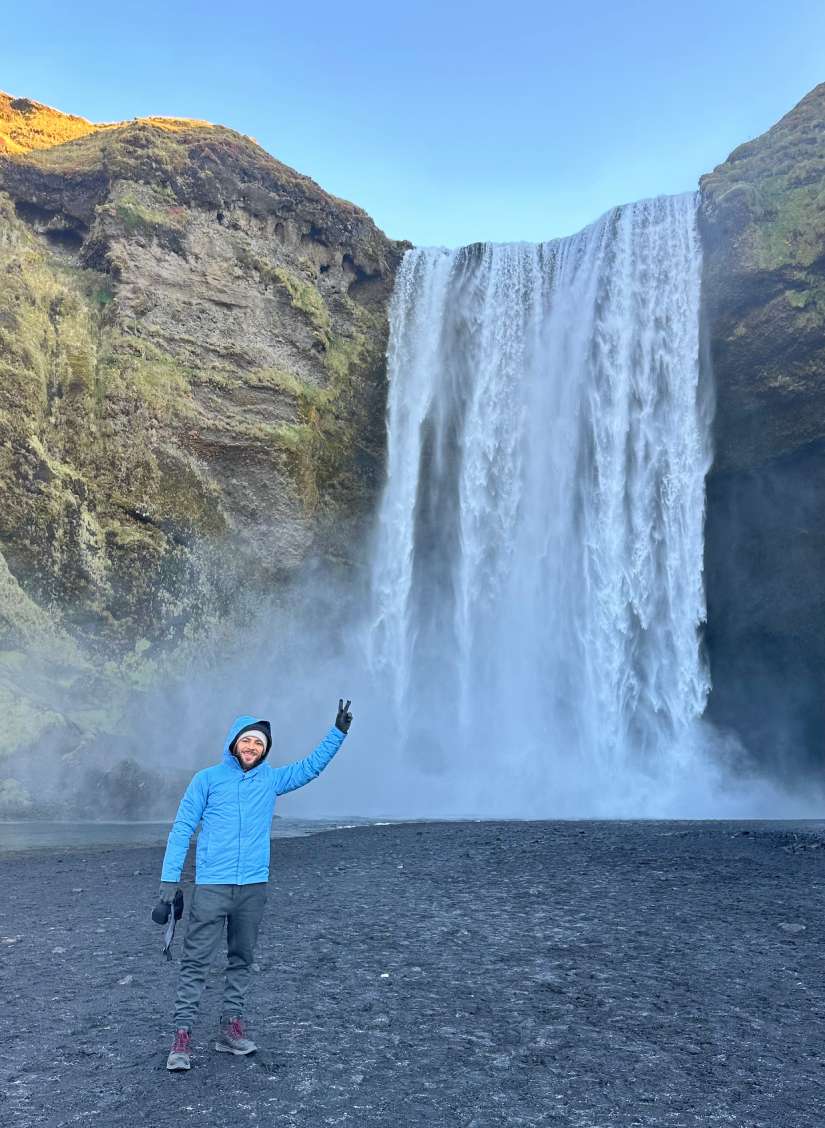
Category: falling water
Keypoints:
(537, 572)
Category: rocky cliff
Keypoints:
(192, 388)
(763, 228)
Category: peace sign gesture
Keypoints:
(344, 718)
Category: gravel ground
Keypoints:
(576, 974)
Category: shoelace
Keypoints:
(236, 1028)
(181, 1045)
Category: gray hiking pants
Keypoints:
(242, 907)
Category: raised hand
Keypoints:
(344, 718)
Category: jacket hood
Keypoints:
(236, 728)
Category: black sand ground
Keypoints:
(591, 975)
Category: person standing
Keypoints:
(234, 802)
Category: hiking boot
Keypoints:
(232, 1038)
(179, 1054)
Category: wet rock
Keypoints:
(763, 232)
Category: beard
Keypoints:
(247, 764)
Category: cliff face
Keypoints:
(763, 227)
(192, 343)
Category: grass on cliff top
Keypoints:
(780, 177)
(135, 150)
(202, 162)
(26, 125)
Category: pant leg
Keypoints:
(243, 921)
(207, 913)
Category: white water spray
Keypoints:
(537, 572)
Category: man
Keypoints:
(234, 802)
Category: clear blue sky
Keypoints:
(449, 123)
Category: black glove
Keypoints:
(344, 718)
(168, 913)
(168, 889)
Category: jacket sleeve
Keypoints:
(291, 776)
(189, 814)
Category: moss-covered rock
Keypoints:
(192, 386)
(763, 227)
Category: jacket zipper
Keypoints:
(240, 828)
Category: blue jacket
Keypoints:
(235, 808)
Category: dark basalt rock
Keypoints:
(763, 230)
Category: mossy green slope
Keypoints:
(763, 224)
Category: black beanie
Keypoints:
(265, 728)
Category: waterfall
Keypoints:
(537, 584)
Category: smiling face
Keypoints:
(249, 749)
